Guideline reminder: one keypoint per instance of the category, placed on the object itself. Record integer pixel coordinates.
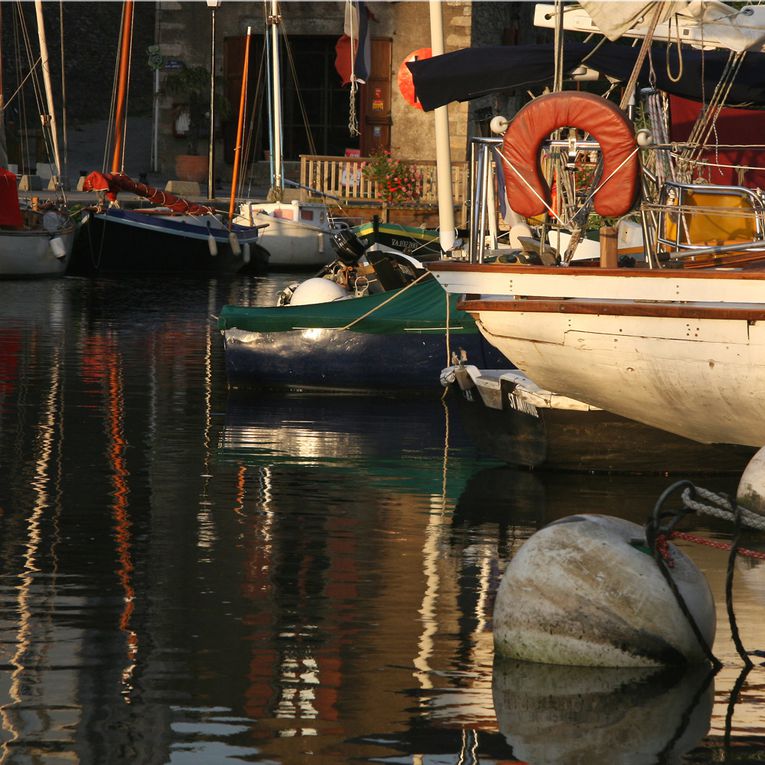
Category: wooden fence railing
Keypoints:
(343, 177)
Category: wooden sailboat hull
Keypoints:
(683, 352)
(548, 431)
(124, 241)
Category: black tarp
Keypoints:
(473, 72)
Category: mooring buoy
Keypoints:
(586, 591)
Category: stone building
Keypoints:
(311, 86)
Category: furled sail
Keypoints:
(705, 23)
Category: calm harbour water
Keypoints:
(193, 576)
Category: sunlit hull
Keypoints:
(679, 351)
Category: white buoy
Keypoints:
(584, 591)
(317, 290)
(246, 252)
(212, 245)
(751, 487)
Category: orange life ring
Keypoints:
(602, 119)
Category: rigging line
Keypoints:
(21, 84)
(127, 94)
(113, 104)
(24, 137)
(253, 134)
(532, 190)
(696, 153)
(301, 103)
(40, 100)
(700, 129)
(629, 88)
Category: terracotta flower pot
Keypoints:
(191, 167)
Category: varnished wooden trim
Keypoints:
(615, 308)
(649, 273)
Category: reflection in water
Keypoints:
(580, 715)
(188, 576)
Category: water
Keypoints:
(189, 576)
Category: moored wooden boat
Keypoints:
(176, 237)
(396, 339)
(509, 417)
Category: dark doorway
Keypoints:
(314, 104)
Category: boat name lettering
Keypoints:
(521, 405)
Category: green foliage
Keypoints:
(396, 181)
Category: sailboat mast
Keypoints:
(443, 150)
(51, 116)
(276, 93)
(119, 119)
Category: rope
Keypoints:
(697, 499)
(656, 537)
(719, 506)
(385, 302)
(629, 88)
(725, 546)
(672, 77)
(533, 190)
(353, 120)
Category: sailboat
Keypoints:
(35, 239)
(673, 347)
(174, 236)
(296, 233)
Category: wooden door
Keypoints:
(375, 119)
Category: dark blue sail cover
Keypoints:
(469, 73)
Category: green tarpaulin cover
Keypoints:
(419, 307)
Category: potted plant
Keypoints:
(191, 87)
(396, 181)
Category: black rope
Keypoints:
(732, 701)
(729, 588)
(654, 530)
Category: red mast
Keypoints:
(119, 119)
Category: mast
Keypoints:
(276, 94)
(212, 5)
(119, 119)
(443, 151)
(50, 118)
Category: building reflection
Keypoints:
(184, 573)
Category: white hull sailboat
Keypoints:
(677, 340)
(41, 247)
(294, 234)
(35, 241)
(680, 351)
